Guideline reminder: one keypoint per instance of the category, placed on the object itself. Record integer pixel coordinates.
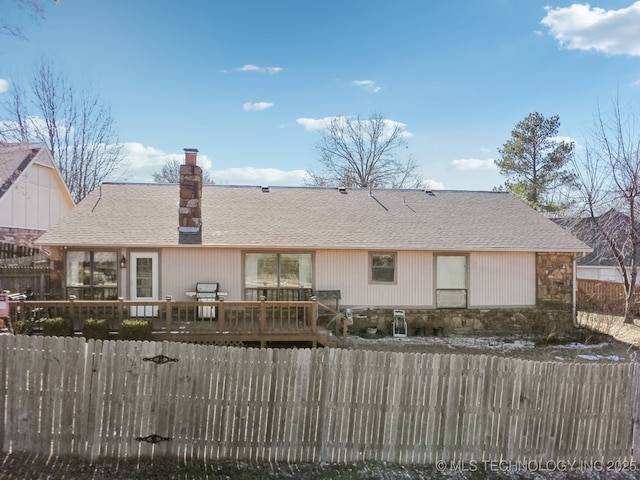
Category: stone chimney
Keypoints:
(190, 210)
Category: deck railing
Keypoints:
(255, 321)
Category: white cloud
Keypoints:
(259, 176)
(582, 27)
(143, 161)
(4, 85)
(313, 124)
(256, 107)
(433, 184)
(368, 85)
(473, 164)
(256, 68)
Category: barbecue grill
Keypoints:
(207, 292)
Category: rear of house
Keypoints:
(456, 260)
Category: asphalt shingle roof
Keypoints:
(313, 218)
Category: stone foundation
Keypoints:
(551, 321)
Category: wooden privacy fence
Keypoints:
(144, 399)
(17, 279)
(603, 296)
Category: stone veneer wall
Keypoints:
(551, 316)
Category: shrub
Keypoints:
(23, 327)
(57, 327)
(96, 328)
(135, 330)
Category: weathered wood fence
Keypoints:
(138, 399)
(598, 295)
(18, 279)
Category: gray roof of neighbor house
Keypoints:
(146, 215)
(590, 231)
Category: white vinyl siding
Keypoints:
(495, 280)
(502, 280)
(348, 271)
(182, 268)
(36, 200)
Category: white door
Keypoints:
(144, 282)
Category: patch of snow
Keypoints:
(582, 345)
(613, 358)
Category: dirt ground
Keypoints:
(588, 349)
(29, 466)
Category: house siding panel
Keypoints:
(182, 268)
(35, 200)
(348, 271)
(502, 279)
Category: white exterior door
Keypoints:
(144, 282)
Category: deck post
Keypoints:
(344, 332)
(168, 313)
(263, 321)
(221, 314)
(71, 312)
(120, 311)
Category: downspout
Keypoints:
(574, 300)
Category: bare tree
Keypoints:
(609, 179)
(75, 124)
(170, 173)
(33, 8)
(357, 152)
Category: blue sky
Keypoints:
(248, 82)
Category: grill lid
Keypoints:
(203, 288)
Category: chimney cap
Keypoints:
(191, 150)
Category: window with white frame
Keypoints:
(451, 281)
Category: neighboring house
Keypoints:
(443, 256)
(600, 264)
(33, 195)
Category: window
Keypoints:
(92, 275)
(277, 276)
(383, 267)
(451, 281)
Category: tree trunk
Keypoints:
(629, 306)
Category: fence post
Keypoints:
(168, 313)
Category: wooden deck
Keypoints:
(260, 323)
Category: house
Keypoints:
(33, 195)
(449, 259)
(600, 264)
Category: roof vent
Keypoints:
(265, 189)
(430, 193)
(342, 190)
